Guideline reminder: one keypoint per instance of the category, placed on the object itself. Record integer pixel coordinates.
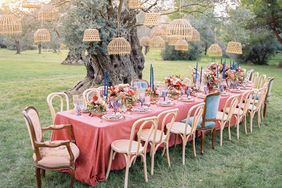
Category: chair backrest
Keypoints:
(259, 97)
(197, 112)
(32, 122)
(261, 81)
(140, 84)
(166, 117)
(246, 100)
(139, 125)
(210, 108)
(63, 97)
(269, 87)
(88, 94)
(230, 105)
(255, 77)
(249, 75)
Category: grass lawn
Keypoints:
(253, 161)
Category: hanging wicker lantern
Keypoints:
(195, 36)
(119, 46)
(31, 4)
(234, 48)
(152, 19)
(180, 27)
(134, 4)
(171, 40)
(159, 30)
(91, 35)
(144, 41)
(47, 13)
(157, 42)
(42, 36)
(214, 51)
(181, 45)
(10, 24)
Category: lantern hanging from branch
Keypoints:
(47, 13)
(195, 36)
(42, 36)
(119, 46)
(152, 19)
(181, 45)
(180, 27)
(31, 4)
(157, 42)
(234, 48)
(134, 4)
(144, 41)
(214, 51)
(10, 24)
(91, 35)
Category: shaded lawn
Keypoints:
(253, 161)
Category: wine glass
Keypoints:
(78, 104)
(142, 98)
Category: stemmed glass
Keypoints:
(78, 104)
(142, 98)
(164, 93)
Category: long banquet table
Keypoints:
(94, 136)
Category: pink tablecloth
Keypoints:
(94, 137)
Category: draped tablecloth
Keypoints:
(94, 137)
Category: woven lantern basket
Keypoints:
(119, 46)
(47, 13)
(234, 48)
(195, 36)
(91, 35)
(145, 41)
(10, 24)
(31, 4)
(171, 40)
(42, 36)
(134, 4)
(159, 30)
(180, 27)
(214, 51)
(157, 42)
(152, 19)
(181, 45)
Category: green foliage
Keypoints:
(169, 53)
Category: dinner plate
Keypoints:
(186, 99)
(141, 110)
(166, 103)
(113, 117)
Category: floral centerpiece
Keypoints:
(124, 94)
(97, 106)
(211, 79)
(153, 94)
(175, 84)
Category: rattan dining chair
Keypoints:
(261, 81)
(256, 105)
(50, 155)
(249, 74)
(208, 119)
(161, 136)
(188, 129)
(255, 78)
(225, 116)
(64, 103)
(88, 94)
(131, 148)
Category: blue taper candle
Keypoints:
(201, 74)
(153, 78)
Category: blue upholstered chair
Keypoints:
(140, 84)
(207, 122)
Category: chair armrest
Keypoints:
(56, 127)
(57, 144)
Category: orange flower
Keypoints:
(94, 98)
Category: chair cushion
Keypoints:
(57, 157)
(121, 146)
(208, 125)
(179, 128)
(144, 135)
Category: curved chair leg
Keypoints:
(153, 160)
(251, 122)
(221, 135)
(194, 146)
(229, 131)
(38, 177)
(259, 118)
(43, 173)
(183, 151)
(110, 164)
(245, 124)
(265, 109)
(145, 167)
(126, 172)
(167, 154)
(238, 127)
(213, 137)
